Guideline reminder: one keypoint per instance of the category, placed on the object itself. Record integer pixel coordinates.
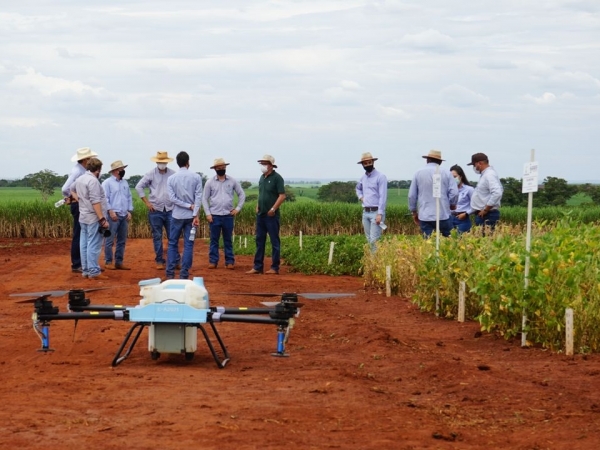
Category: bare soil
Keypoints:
(364, 372)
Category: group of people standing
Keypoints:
(102, 213)
(458, 199)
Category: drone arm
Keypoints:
(240, 310)
(218, 317)
(116, 315)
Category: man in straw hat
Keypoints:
(160, 207)
(120, 208)
(92, 217)
(217, 201)
(185, 191)
(81, 157)
(371, 191)
(271, 194)
(485, 201)
(421, 200)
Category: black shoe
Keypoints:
(77, 270)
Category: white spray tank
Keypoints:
(190, 292)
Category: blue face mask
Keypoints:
(457, 179)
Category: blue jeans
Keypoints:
(177, 227)
(90, 244)
(76, 237)
(372, 230)
(428, 227)
(160, 220)
(118, 231)
(462, 225)
(220, 224)
(490, 219)
(267, 225)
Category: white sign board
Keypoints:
(530, 177)
(437, 185)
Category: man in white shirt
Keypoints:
(485, 201)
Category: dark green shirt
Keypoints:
(269, 189)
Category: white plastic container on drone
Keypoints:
(189, 292)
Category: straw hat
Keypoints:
(269, 159)
(366, 157)
(434, 154)
(83, 153)
(161, 157)
(117, 165)
(219, 162)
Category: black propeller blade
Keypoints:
(45, 294)
(294, 304)
(307, 295)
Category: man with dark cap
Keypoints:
(421, 200)
(485, 201)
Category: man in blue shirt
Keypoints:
(485, 201)
(160, 208)
(421, 200)
(81, 159)
(185, 191)
(217, 201)
(371, 191)
(120, 207)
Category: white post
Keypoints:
(388, 281)
(569, 331)
(461, 301)
(331, 253)
(245, 242)
(530, 186)
(300, 240)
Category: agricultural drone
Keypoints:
(174, 310)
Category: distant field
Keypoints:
(304, 193)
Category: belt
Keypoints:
(370, 208)
(454, 213)
(477, 211)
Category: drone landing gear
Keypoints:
(221, 362)
(45, 337)
(282, 335)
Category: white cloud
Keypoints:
(496, 64)
(431, 40)
(457, 95)
(577, 79)
(391, 111)
(545, 99)
(64, 53)
(54, 86)
(25, 122)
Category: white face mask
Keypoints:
(476, 170)
(264, 169)
(161, 166)
(457, 179)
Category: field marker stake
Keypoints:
(527, 250)
(245, 242)
(461, 301)
(388, 281)
(437, 193)
(569, 331)
(300, 240)
(331, 253)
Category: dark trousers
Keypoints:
(267, 225)
(76, 237)
(490, 219)
(428, 227)
(221, 224)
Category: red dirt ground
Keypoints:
(365, 372)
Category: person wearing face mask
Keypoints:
(485, 201)
(271, 194)
(160, 207)
(461, 216)
(217, 202)
(421, 201)
(371, 191)
(120, 207)
(80, 158)
(93, 210)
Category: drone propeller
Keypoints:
(34, 296)
(306, 295)
(272, 304)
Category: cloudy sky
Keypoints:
(315, 83)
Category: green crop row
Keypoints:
(42, 219)
(564, 272)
